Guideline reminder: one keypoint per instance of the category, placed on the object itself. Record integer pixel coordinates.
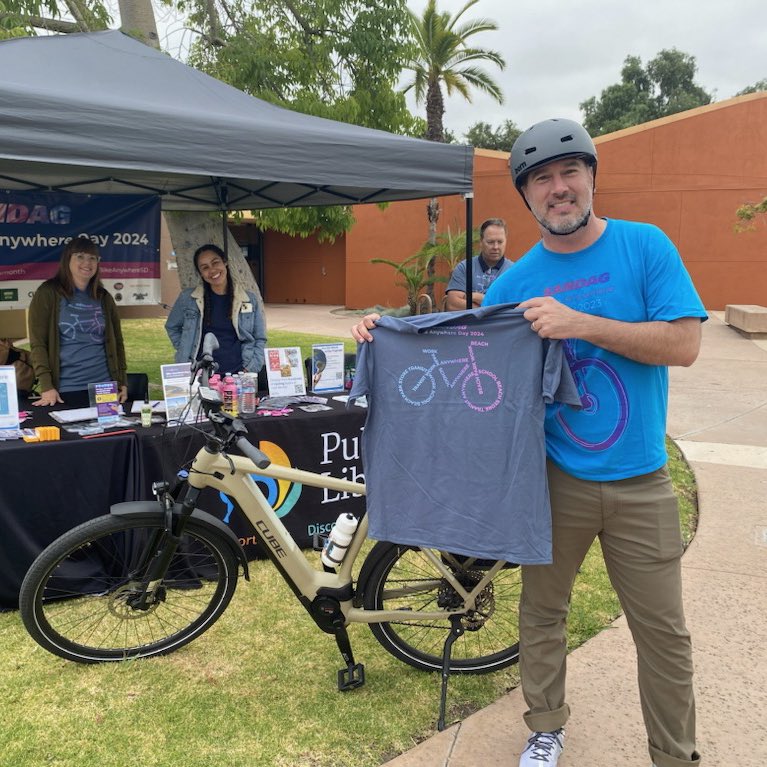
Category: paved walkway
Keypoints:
(718, 417)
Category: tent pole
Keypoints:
(223, 198)
(469, 197)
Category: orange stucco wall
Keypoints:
(687, 174)
(303, 271)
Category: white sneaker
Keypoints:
(543, 749)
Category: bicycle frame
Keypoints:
(469, 362)
(159, 575)
(231, 475)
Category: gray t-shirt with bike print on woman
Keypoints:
(453, 448)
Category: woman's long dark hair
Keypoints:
(63, 281)
(207, 289)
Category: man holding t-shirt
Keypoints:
(619, 296)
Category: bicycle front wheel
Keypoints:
(79, 599)
(404, 579)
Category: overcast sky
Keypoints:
(559, 53)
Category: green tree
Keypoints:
(338, 59)
(22, 18)
(483, 136)
(757, 87)
(443, 56)
(413, 275)
(666, 86)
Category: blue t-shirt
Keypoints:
(82, 355)
(453, 446)
(229, 352)
(632, 273)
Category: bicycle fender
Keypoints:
(371, 560)
(151, 509)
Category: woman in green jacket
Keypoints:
(74, 331)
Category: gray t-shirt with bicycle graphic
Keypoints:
(453, 447)
(83, 358)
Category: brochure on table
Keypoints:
(104, 396)
(327, 367)
(177, 392)
(9, 402)
(284, 371)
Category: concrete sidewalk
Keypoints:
(718, 417)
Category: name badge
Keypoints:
(246, 307)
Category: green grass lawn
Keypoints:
(259, 688)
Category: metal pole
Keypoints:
(469, 197)
(224, 212)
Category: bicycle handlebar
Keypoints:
(228, 428)
(251, 451)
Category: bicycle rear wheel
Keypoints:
(76, 599)
(404, 579)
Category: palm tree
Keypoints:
(443, 56)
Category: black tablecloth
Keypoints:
(48, 488)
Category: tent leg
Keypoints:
(469, 198)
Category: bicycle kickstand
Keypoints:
(353, 675)
(456, 630)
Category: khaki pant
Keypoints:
(637, 522)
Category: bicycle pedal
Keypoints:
(351, 677)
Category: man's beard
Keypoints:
(566, 226)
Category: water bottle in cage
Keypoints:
(339, 539)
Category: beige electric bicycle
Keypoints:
(151, 576)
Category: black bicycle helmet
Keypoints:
(547, 141)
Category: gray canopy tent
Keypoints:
(103, 113)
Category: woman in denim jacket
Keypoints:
(222, 307)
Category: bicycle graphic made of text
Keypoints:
(481, 390)
(93, 325)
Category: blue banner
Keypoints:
(35, 227)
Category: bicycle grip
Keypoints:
(249, 451)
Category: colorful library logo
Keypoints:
(281, 494)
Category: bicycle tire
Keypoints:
(482, 403)
(404, 579)
(74, 598)
(407, 385)
(591, 404)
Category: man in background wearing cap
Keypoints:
(620, 295)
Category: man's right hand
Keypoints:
(361, 331)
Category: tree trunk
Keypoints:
(435, 109)
(190, 230)
(187, 230)
(137, 20)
